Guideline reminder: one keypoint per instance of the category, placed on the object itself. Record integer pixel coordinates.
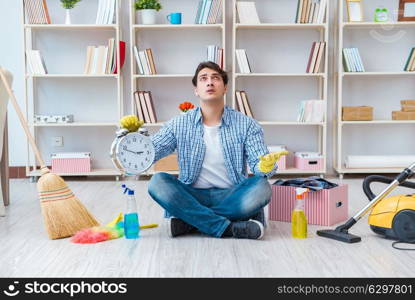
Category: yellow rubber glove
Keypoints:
(267, 162)
(131, 123)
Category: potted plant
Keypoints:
(148, 10)
(68, 4)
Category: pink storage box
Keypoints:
(325, 207)
(308, 163)
(71, 162)
(282, 163)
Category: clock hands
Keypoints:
(138, 152)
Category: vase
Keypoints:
(148, 16)
(67, 17)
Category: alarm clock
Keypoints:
(132, 152)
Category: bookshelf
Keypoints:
(384, 48)
(177, 50)
(79, 94)
(275, 73)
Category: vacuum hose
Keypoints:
(383, 179)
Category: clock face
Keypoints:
(135, 153)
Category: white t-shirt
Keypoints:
(213, 173)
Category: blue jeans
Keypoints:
(210, 210)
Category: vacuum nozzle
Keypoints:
(341, 233)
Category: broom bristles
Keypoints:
(63, 213)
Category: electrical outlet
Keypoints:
(57, 141)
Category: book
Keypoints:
(122, 57)
(110, 56)
(239, 102)
(320, 57)
(322, 11)
(299, 11)
(202, 10)
(346, 63)
(247, 12)
(307, 11)
(314, 57)
(150, 107)
(239, 60)
(138, 61)
(36, 12)
(316, 12)
(206, 11)
(310, 57)
(149, 55)
(139, 109)
(46, 11)
(246, 105)
(199, 8)
(88, 61)
(304, 11)
(105, 12)
(245, 61)
(144, 107)
(410, 60)
(35, 61)
(213, 12)
(311, 111)
(143, 59)
(99, 61)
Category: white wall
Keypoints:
(11, 58)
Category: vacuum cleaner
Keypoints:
(392, 217)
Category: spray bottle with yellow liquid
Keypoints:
(298, 218)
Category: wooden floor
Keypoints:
(27, 252)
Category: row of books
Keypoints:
(311, 111)
(311, 11)
(316, 57)
(352, 61)
(35, 62)
(144, 106)
(247, 12)
(36, 12)
(106, 12)
(215, 54)
(101, 59)
(242, 60)
(208, 11)
(242, 103)
(410, 63)
(145, 61)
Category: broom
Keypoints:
(63, 213)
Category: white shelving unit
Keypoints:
(252, 82)
(384, 48)
(33, 38)
(176, 49)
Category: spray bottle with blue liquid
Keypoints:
(131, 225)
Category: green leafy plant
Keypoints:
(69, 4)
(147, 4)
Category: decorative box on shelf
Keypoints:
(357, 113)
(53, 119)
(71, 162)
(312, 161)
(403, 115)
(282, 162)
(325, 207)
(408, 105)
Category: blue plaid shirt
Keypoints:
(242, 140)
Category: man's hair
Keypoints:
(213, 66)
